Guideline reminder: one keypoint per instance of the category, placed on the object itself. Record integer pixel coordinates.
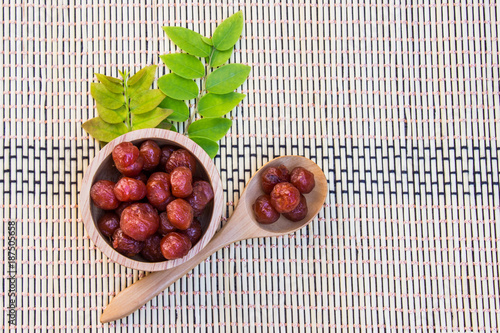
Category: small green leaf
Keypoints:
(165, 124)
(142, 80)
(212, 105)
(185, 65)
(178, 87)
(207, 40)
(188, 40)
(105, 97)
(112, 84)
(149, 119)
(219, 58)
(228, 32)
(211, 147)
(210, 128)
(227, 78)
(179, 108)
(104, 131)
(112, 116)
(145, 101)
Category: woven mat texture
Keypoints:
(397, 101)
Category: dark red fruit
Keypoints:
(158, 190)
(152, 249)
(179, 158)
(126, 245)
(300, 212)
(125, 154)
(201, 196)
(150, 152)
(103, 196)
(165, 225)
(108, 223)
(175, 245)
(140, 221)
(129, 189)
(285, 197)
(166, 151)
(181, 180)
(193, 232)
(264, 211)
(180, 214)
(272, 176)
(302, 179)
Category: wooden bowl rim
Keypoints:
(153, 134)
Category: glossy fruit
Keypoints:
(180, 214)
(108, 223)
(158, 190)
(193, 232)
(200, 197)
(165, 225)
(175, 245)
(140, 221)
(166, 151)
(126, 245)
(151, 153)
(264, 211)
(272, 176)
(129, 189)
(302, 179)
(181, 157)
(300, 212)
(181, 180)
(125, 154)
(152, 249)
(285, 197)
(103, 196)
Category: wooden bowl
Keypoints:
(102, 167)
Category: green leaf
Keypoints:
(212, 105)
(105, 97)
(227, 78)
(112, 116)
(188, 40)
(219, 58)
(211, 147)
(145, 101)
(210, 128)
(184, 65)
(112, 84)
(207, 40)
(228, 32)
(149, 119)
(104, 131)
(165, 124)
(178, 87)
(142, 80)
(179, 108)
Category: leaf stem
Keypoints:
(203, 91)
(127, 102)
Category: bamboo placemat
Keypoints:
(398, 102)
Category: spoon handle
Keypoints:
(134, 296)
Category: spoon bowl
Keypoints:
(242, 225)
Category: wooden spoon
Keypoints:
(242, 225)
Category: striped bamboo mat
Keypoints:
(398, 102)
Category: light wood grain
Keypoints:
(241, 225)
(102, 167)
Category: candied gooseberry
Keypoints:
(302, 179)
(175, 245)
(103, 196)
(285, 197)
(140, 221)
(151, 153)
(264, 211)
(180, 214)
(181, 182)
